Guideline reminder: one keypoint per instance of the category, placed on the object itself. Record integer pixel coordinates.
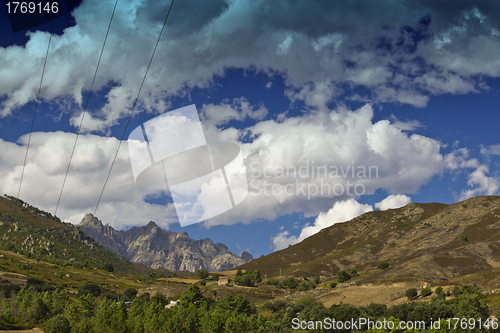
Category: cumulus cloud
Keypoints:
(305, 164)
(393, 201)
(301, 164)
(340, 212)
(402, 52)
(122, 203)
(480, 184)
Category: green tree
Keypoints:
(201, 274)
(411, 293)
(130, 293)
(58, 324)
(343, 276)
(89, 288)
(425, 292)
(193, 295)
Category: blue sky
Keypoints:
(411, 88)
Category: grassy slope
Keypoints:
(419, 241)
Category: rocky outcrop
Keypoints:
(155, 247)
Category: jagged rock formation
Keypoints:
(152, 246)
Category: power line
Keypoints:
(134, 105)
(36, 106)
(85, 109)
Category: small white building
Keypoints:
(223, 282)
(172, 304)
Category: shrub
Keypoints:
(457, 291)
(89, 288)
(462, 238)
(426, 292)
(383, 265)
(343, 276)
(411, 293)
(289, 282)
(130, 293)
(333, 285)
(273, 282)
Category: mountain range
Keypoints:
(158, 248)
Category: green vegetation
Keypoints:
(343, 276)
(54, 311)
(425, 292)
(383, 265)
(462, 238)
(248, 279)
(411, 293)
(201, 274)
(37, 234)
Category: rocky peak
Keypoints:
(90, 221)
(156, 247)
(151, 225)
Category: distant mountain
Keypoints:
(155, 247)
(420, 242)
(37, 234)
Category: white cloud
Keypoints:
(340, 212)
(491, 150)
(239, 109)
(401, 53)
(481, 184)
(410, 125)
(393, 201)
(122, 203)
(304, 163)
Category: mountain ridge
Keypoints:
(156, 247)
(419, 241)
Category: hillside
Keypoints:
(157, 248)
(419, 241)
(36, 234)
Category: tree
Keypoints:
(58, 324)
(90, 288)
(109, 267)
(463, 239)
(130, 293)
(426, 292)
(248, 279)
(411, 293)
(333, 285)
(201, 274)
(383, 265)
(193, 295)
(343, 276)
